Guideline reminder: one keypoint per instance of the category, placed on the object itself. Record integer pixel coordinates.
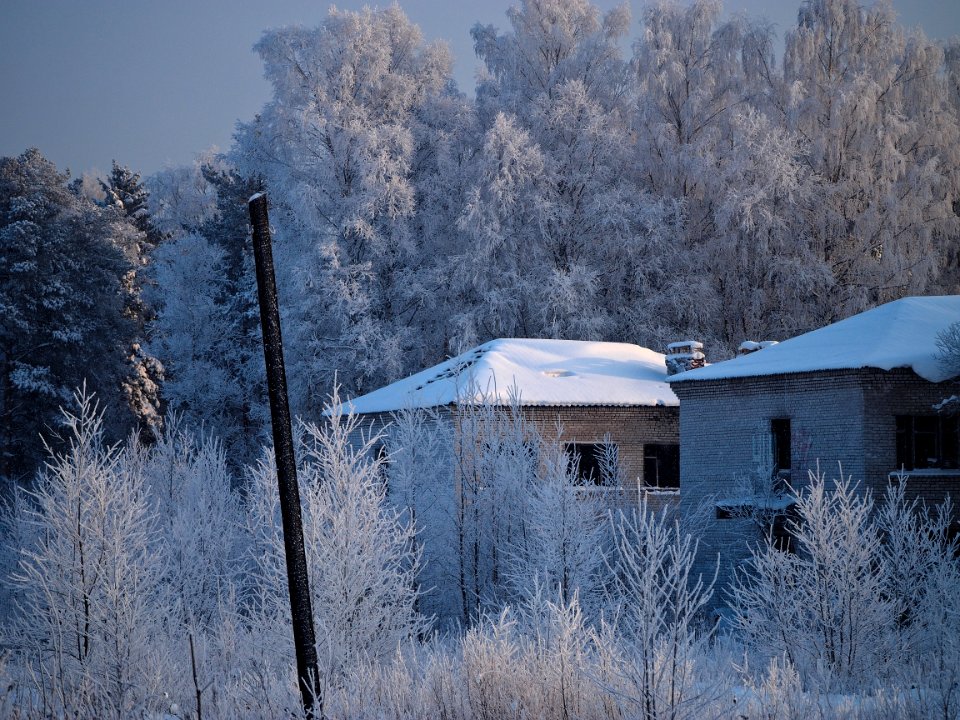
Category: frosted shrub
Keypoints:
(419, 682)
(922, 582)
(535, 662)
(499, 509)
(421, 484)
(199, 535)
(495, 463)
(868, 600)
(779, 694)
(936, 676)
(658, 610)
(560, 550)
(361, 555)
(539, 660)
(89, 624)
(823, 608)
(558, 657)
(199, 546)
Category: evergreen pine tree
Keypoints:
(126, 195)
(125, 189)
(229, 228)
(62, 306)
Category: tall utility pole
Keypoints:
(297, 581)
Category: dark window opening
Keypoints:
(776, 525)
(927, 442)
(781, 531)
(586, 461)
(780, 432)
(661, 466)
(382, 456)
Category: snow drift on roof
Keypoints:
(900, 334)
(542, 372)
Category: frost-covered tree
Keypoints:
(687, 67)
(948, 349)
(496, 274)
(198, 533)
(88, 591)
(550, 189)
(242, 421)
(501, 515)
(192, 332)
(207, 330)
(687, 78)
(419, 470)
(124, 191)
(823, 608)
(336, 147)
(731, 262)
(919, 555)
(865, 601)
(62, 303)
(560, 550)
(180, 198)
(448, 145)
(362, 557)
(870, 103)
(658, 605)
(552, 43)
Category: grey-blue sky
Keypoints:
(151, 82)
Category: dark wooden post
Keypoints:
(298, 584)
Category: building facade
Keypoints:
(585, 395)
(859, 397)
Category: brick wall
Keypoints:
(720, 421)
(901, 392)
(845, 417)
(629, 427)
(371, 424)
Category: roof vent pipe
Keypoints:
(751, 346)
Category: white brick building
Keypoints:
(860, 392)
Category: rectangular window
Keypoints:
(586, 461)
(661, 466)
(780, 434)
(927, 442)
(381, 454)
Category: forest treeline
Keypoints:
(693, 185)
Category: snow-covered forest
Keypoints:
(614, 178)
(637, 179)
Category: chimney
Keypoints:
(684, 355)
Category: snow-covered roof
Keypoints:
(900, 334)
(541, 372)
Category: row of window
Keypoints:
(661, 463)
(923, 442)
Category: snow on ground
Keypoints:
(902, 333)
(542, 372)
